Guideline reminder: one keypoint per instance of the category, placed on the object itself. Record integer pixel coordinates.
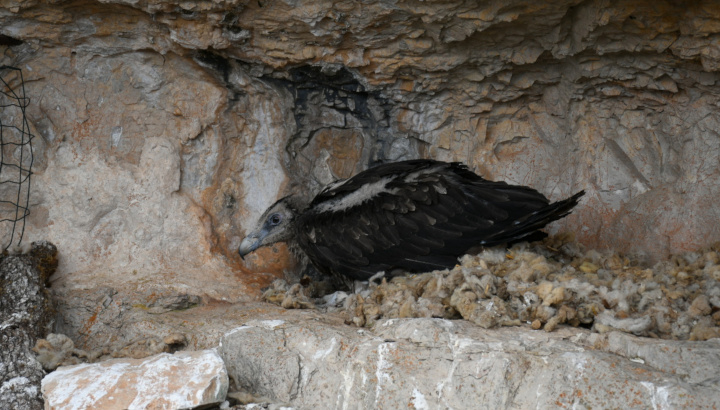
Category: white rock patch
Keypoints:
(164, 381)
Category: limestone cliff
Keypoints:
(165, 127)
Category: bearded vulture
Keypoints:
(413, 216)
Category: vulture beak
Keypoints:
(248, 245)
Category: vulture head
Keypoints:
(275, 225)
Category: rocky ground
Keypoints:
(306, 359)
(545, 324)
(163, 129)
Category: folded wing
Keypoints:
(417, 216)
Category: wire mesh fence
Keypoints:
(16, 157)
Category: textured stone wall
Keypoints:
(25, 316)
(164, 127)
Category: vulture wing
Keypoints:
(418, 216)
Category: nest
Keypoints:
(544, 285)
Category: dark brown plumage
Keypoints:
(415, 216)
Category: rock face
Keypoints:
(435, 363)
(25, 316)
(181, 380)
(163, 128)
(166, 127)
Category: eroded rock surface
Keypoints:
(165, 127)
(181, 380)
(25, 316)
(311, 359)
(436, 363)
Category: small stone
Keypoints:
(55, 350)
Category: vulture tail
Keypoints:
(527, 226)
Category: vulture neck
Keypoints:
(298, 206)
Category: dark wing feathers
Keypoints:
(528, 224)
(424, 215)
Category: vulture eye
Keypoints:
(275, 219)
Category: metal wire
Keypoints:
(16, 156)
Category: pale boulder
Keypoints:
(164, 381)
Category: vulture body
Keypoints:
(415, 216)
